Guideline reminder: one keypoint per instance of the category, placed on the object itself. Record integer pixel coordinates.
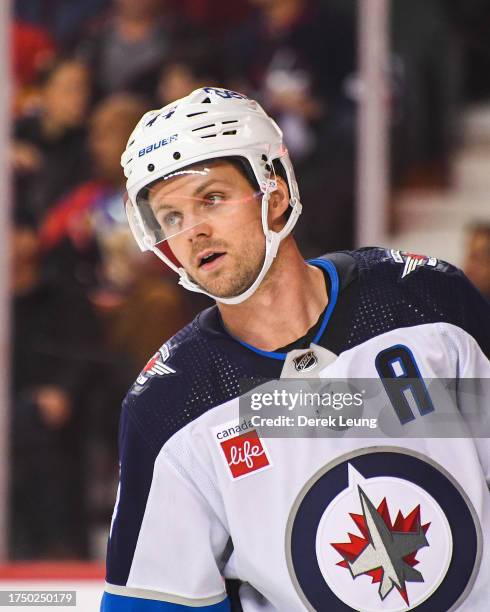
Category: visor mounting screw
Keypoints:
(151, 167)
(176, 155)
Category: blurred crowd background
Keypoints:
(88, 309)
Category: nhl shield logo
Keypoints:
(383, 529)
(305, 362)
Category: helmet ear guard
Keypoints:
(210, 123)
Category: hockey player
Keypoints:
(215, 513)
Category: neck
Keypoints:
(286, 305)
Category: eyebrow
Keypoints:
(197, 191)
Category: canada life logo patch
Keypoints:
(383, 529)
(241, 448)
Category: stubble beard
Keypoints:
(239, 275)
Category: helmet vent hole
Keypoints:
(203, 127)
(151, 167)
(229, 133)
(206, 101)
(176, 155)
(230, 121)
(209, 136)
(196, 114)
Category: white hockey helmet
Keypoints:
(207, 124)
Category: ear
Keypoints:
(278, 205)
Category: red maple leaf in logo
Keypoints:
(353, 549)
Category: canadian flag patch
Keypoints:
(244, 453)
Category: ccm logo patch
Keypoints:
(245, 453)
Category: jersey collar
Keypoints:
(329, 267)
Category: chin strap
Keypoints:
(272, 245)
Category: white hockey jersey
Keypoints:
(214, 512)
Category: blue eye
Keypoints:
(172, 219)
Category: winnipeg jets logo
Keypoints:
(386, 551)
(156, 366)
(383, 529)
(412, 261)
(378, 551)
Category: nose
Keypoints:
(200, 227)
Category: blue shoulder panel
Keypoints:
(398, 289)
(195, 372)
(203, 367)
(137, 462)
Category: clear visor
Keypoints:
(166, 214)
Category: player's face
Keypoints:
(221, 244)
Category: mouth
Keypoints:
(209, 259)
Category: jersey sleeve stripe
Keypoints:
(120, 603)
